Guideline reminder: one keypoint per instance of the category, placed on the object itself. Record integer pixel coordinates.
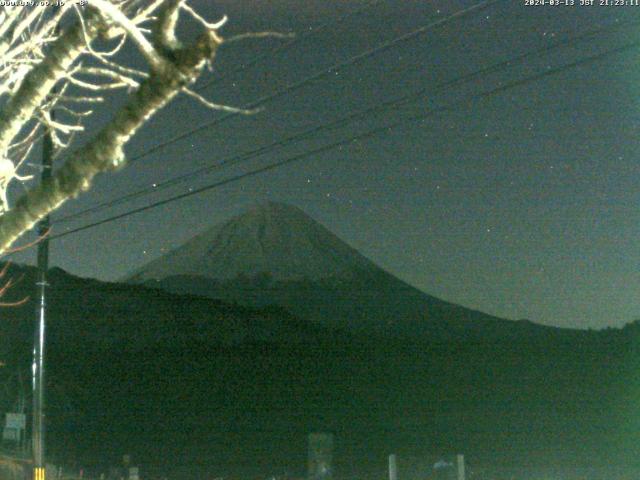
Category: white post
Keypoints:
(320, 461)
(460, 465)
(393, 467)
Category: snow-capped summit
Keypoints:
(273, 238)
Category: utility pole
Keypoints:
(38, 428)
(44, 225)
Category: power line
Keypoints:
(365, 135)
(297, 39)
(344, 120)
(318, 75)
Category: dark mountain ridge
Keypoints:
(227, 389)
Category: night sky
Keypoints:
(523, 204)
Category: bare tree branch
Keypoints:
(39, 82)
(44, 66)
(105, 151)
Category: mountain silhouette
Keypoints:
(275, 254)
(228, 384)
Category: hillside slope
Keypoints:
(216, 388)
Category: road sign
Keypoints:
(17, 421)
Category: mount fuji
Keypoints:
(345, 347)
(275, 254)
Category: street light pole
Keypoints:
(38, 429)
